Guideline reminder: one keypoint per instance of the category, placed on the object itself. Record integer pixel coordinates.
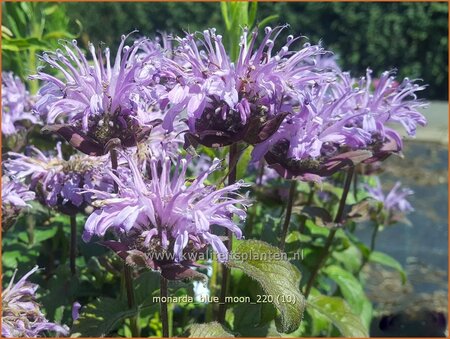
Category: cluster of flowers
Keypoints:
(21, 315)
(304, 116)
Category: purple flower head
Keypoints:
(16, 105)
(168, 219)
(318, 140)
(160, 140)
(342, 123)
(97, 102)
(17, 117)
(227, 102)
(384, 104)
(395, 205)
(21, 314)
(60, 183)
(14, 199)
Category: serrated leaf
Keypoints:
(387, 260)
(340, 315)
(278, 278)
(101, 317)
(352, 291)
(209, 330)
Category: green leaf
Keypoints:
(24, 44)
(42, 234)
(268, 19)
(18, 254)
(209, 330)
(253, 320)
(6, 32)
(279, 279)
(340, 315)
(101, 317)
(226, 19)
(252, 13)
(242, 165)
(387, 260)
(352, 291)
(350, 258)
(319, 324)
(58, 35)
(145, 286)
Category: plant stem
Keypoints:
(163, 304)
(73, 243)
(114, 164)
(372, 246)
(287, 219)
(127, 272)
(170, 308)
(337, 220)
(309, 201)
(312, 190)
(232, 161)
(126, 269)
(129, 285)
(261, 172)
(355, 186)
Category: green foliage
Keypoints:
(362, 34)
(106, 22)
(237, 15)
(102, 316)
(409, 36)
(387, 260)
(352, 291)
(340, 315)
(279, 279)
(29, 28)
(209, 330)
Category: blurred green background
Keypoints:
(410, 37)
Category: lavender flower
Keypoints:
(166, 221)
(14, 199)
(228, 102)
(76, 306)
(318, 140)
(160, 140)
(341, 125)
(16, 105)
(59, 183)
(395, 205)
(21, 314)
(387, 104)
(98, 103)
